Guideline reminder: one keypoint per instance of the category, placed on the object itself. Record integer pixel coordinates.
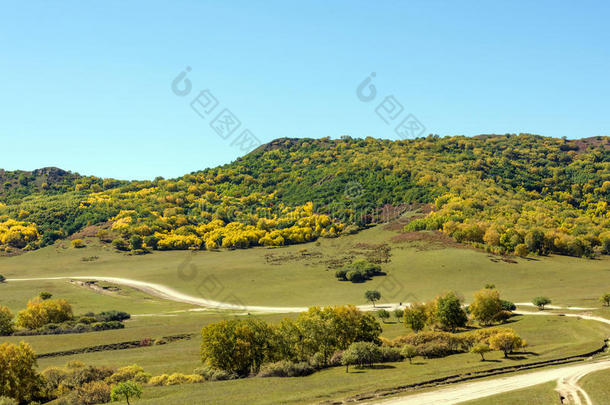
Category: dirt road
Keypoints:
(480, 389)
(168, 293)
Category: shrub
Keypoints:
(94, 392)
(44, 295)
(285, 368)
(39, 313)
(8, 401)
(6, 321)
(605, 299)
(86, 374)
(214, 374)
(18, 378)
(129, 373)
(317, 361)
(120, 244)
(485, 306)
(78, 243)
(112, 316)
(383, 315)
(179, 379)
(508, 306)
(2, 278)
(502, 316)
(435, 350)
(87, 320)
(158, 380)
(335, 359)
(99, 326)
(390, 354)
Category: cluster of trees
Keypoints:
(358, 271)
(515, 193)
(242, 346)
(17, 234)
(44, 315)
(447, 312)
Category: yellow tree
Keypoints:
(18, 378)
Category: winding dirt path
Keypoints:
(481, 389)
(168, 293)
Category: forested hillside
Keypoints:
(510, 193)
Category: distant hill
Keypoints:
(504, 193)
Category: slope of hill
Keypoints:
(509, 193)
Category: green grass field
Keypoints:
(417, 271)
(543, 394)
(298, 276)
(596, 385)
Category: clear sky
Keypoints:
(87, 86)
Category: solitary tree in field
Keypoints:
(480, 349)
(372, 296)
(383, 315)
(540, 302)
(398, 313)
(605, 299)
(127, 389)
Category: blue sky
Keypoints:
(86, 86)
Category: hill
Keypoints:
(505, 193)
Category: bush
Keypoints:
(95, 392)
(335, 359)
(44, 295)
(129, 373)
(39, 313)
(86, 374)
(214, 374)
(508, 306)
(2, 278)
(99, 326)
(6, 321)
(435, 350)
(8, 401)
(179, 379)
(112, 316)
(540, 302)
(120, 244)
(78, 243)
(318, 361)
(158, 380)
(285, 368)
(390, 354)
(87, 320)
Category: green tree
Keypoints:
(540, 302)
(448, 312)
(398, 313)
(6, 321)
(383, 315)
(126, 390)
(409, 352)
(372, 296)
(415, 316)
(480, 349)
(18, 378)
(364, 353)
(605, 299)
(485, 306)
